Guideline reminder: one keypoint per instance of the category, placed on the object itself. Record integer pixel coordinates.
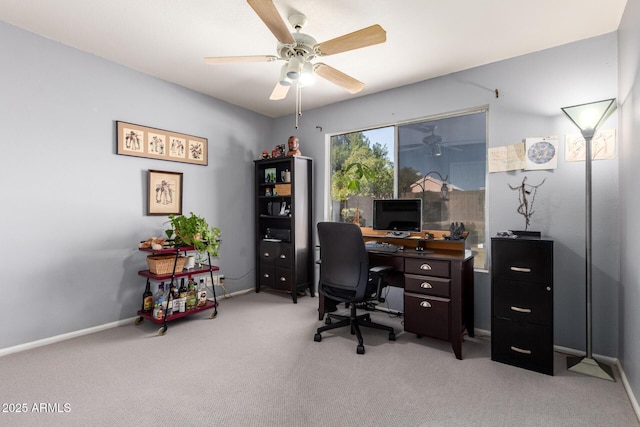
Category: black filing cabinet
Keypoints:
(522, 302)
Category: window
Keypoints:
(440, 160)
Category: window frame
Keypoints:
(396, 152)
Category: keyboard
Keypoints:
(381, 246)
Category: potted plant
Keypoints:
(355, 172)
(194, 231)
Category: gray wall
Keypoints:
(629, 153)
(532, 89)
(73, 212)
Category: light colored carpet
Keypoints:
(256, 364)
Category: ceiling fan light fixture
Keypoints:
(294, 68)
(284, 79)
(307, 78)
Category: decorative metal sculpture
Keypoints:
(526, 208)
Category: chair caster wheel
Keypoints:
(392, 337)
(317, 337)
(360, 349)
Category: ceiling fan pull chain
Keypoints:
(298, 103)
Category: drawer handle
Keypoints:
(266, 254)
(520, 310)
(425, 267)
(520, 350)
(425, 304)
(283, 256)
(283, 279)
(266, 275)
(426, 285)
(521, 269)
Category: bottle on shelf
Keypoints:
(158, 298)
(183, 296)
(202, 294)
(155, 311)
(147, 298)
(191, 294)
(170, 303)
(165, 299)
(160, 312)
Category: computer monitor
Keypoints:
(397, 215)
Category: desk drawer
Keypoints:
(428, 316)
(427, 267)
(427, 285)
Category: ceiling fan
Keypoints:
(297, 50)
(432, 142)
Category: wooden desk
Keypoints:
(438, 292)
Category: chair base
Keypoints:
(354, 321)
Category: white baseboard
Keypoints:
(92, 330)
(64, 337)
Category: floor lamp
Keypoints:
(587, 117)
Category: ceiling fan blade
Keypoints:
(369, 36)
(235, 59)
(267, 11)
(279, 92)
(338, 77)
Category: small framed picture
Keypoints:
(164, 193)
(270, 175)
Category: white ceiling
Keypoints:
(168, 39)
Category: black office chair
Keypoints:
(345, 277)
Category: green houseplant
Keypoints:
(354, 173)
(193, 230)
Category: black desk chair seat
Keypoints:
(345, 277)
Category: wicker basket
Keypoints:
(163, 264)
(283, 189)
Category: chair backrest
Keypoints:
(344, 262)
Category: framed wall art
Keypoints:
(164, 193)
(152, 143)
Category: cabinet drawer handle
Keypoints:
(425, 304)
(426, 285)
(425, 267)
(266, 255)
(520, 310)
(521, 269)
(283, 279)
(283, 256)
(520, 350)
(266, 275)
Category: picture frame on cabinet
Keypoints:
(164, 193)
(152, 143)
(270, 175)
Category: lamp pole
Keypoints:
(587, 117)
